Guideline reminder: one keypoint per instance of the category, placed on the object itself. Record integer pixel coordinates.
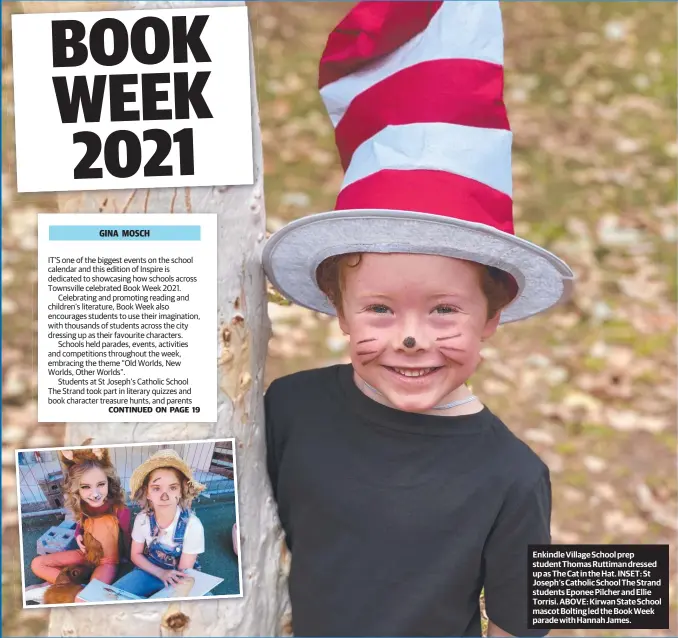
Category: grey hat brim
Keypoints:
(292, 254)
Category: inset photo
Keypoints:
(129, 523)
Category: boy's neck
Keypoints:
(460, 393)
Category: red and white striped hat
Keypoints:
(415, 93)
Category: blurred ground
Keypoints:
(591, 91)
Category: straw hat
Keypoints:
(415, 93)
(162, 458)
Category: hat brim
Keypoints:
(292, 254)
(149, 465)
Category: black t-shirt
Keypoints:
(396, 520)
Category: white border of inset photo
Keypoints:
(130, 445)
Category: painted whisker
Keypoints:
(453, 348)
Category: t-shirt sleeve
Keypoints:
(525, 519)
(194, 537)
(140, 530)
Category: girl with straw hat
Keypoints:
(167, 535)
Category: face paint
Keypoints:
(439, 302)
(164, 488)
(93, 488)
(366, 352)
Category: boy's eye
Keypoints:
(174, 488)
(380, 309)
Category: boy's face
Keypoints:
(436, 300)
(164, 488)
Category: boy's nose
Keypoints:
(164, 496)
(410, 338)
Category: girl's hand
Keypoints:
(78, 540)
(170, 577)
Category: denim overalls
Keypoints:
(161, 555)
(140, 582)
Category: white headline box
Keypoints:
(127, 318)
(132, 99)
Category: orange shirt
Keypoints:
(106, 530)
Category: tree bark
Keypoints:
(242, 339)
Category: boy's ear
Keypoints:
(491, 326)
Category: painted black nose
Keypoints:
(409, 342)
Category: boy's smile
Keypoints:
(433, 304)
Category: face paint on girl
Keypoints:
(164, 488)
(93, 488)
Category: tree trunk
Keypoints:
(242, 342)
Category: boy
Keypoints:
(401, 495)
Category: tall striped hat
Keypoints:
(415, 93)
